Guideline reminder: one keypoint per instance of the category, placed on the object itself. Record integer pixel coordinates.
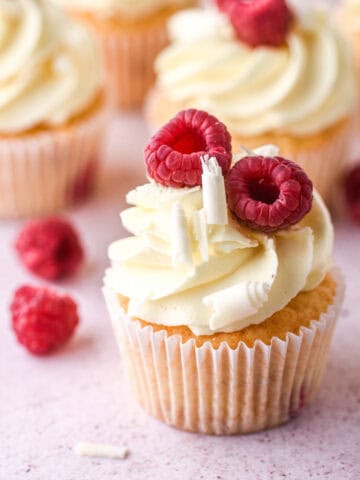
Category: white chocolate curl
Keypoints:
(241, 300)
(86, 449)
(180, 241)
(214, 197)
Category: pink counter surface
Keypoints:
(47, 405)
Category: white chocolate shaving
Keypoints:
(200, 233)
(213, 187)
(240, 300)
(86, 449)
(180, 241)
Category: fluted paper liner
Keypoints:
(129, 57)
(44, 171)
(224, 391)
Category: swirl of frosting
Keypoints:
(49, 67)
(300, 89)
(129, 9)
(228, 277)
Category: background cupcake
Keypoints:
(291, 84)
(223, 309)
(131, 34)
(51, 109)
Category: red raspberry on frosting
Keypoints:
(42, 319)
(259, 22)
(268, 193)
(50, 248)
(173, 154)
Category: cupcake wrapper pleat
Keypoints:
(129, 57)
(224, 391)
(43, 172)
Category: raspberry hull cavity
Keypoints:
(173, 155)
(268, 193)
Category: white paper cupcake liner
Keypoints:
(129, 58)
(224, 391)
(43, 172)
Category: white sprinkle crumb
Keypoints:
(86, 449)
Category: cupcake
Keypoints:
(51, 109)
(224, 299)
(130, 33)
(291, 84)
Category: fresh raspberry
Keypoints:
(50, 248)
(42, 319)
(352, 192)
(259, 22)
(173, 154)
(268, 193)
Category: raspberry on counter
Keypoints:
(352, 192)
(43, 320)
(50, 248)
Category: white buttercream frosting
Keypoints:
(236, 276)
(49, 67)
(129, 9)
(301, 88)
(351, 12)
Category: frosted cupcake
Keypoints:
(131, 33)
(291, 84)
(224, 300)
(51, 109)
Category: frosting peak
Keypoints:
(301, 88)
(49, 69)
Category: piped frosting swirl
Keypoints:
(301, 89)
(49, 67)
(212, 277)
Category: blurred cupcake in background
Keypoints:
(349, 19)
(224, 298)
(51, 109)
(131, 33)
(274, 73)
